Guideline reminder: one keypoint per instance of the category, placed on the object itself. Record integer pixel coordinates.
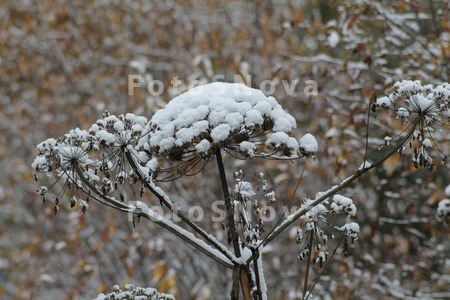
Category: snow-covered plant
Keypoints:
(130, 292)
(233, 118)
(121, 157)
(422, 109)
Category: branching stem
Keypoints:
(346, 182)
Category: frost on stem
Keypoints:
(240, 120)
(422, 108)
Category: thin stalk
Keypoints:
(308, 264)
(325, 267)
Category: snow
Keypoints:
(262, 280)
(91, 176)
(333, 39)
(443, 210)
(351, 228)
(248, 148)
(220, 133)
(308, 143)
(105, 137)
(422, 103)
(233, 119)
(384, 102)
(283, 121)
(342, 204)
(408, 87)
(185, 135)
(279, 139)
(203, 146)
(136, 293)
(166, 144)
(39, 162)
(402, 113)
(253, 117)
(364, 165)
(152, 164)
(427, 143)
(119, 126)
(216, 112)
(47, 145)
(271, 196)
(244, 188)
(447, 190)
(443, 92)
(137, 128)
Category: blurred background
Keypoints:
(63, 62)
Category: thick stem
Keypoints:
(246, 282)
(232, 233)
(255, 255)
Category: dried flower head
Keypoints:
(238, 119)
(421, 108)
(310, 235)
(95, 160)
(248, 204)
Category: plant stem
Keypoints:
(308, 264)
(232, 233)
(255, 255)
